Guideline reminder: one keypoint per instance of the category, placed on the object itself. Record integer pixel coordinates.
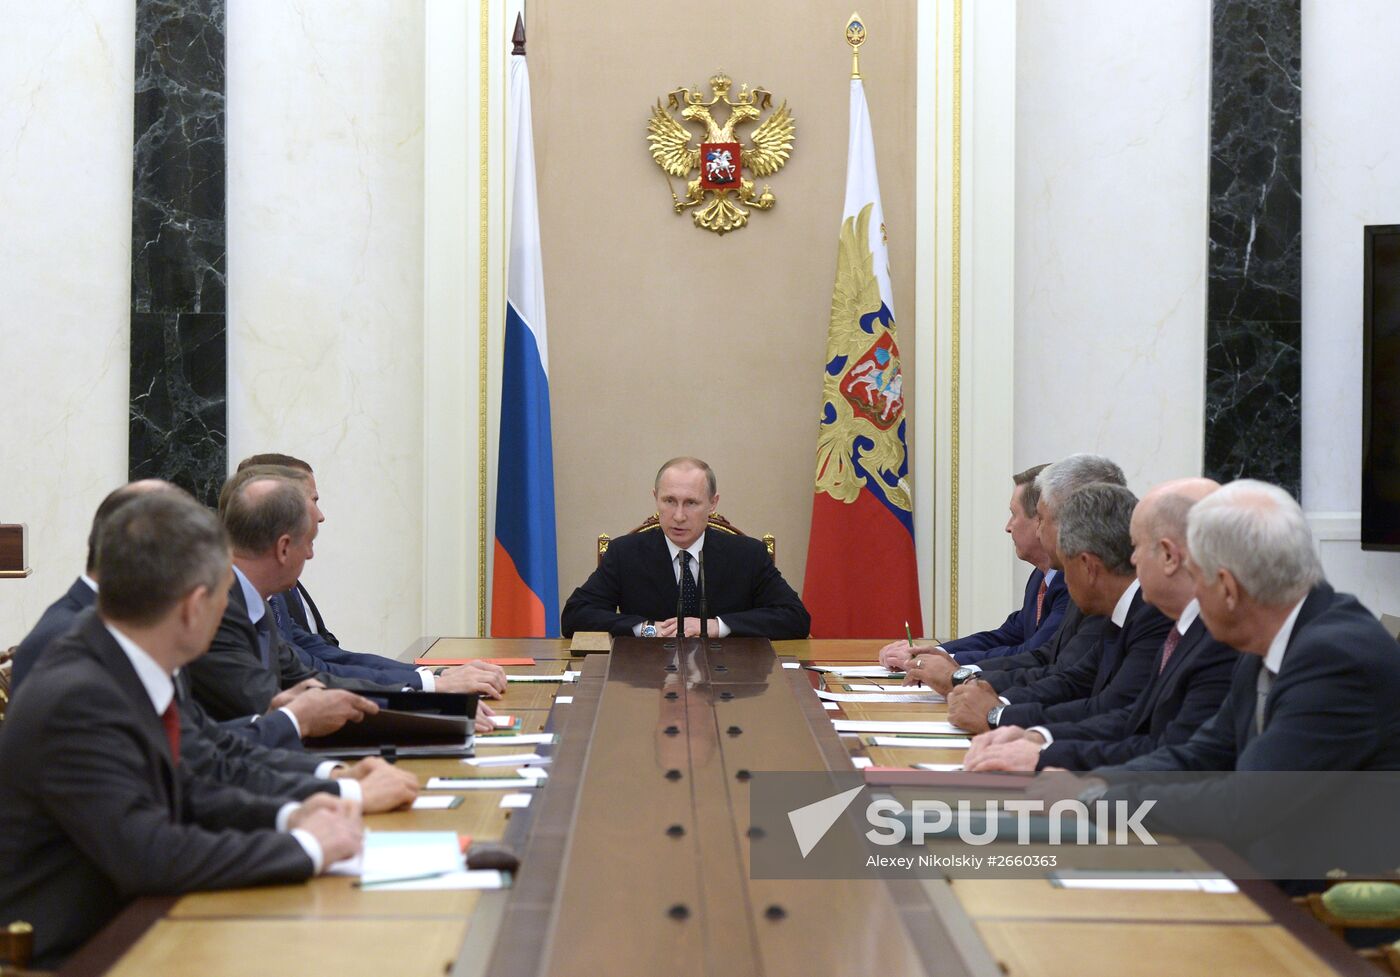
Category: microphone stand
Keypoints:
(680, 612)
(704, 602)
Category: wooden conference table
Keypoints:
(634, 860)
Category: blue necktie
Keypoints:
(689, 598)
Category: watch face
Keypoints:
(649, 631)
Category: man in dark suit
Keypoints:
(1078, 633)
(1314, 690)
(1095, 547)
(636, 586)
(1031, 625)
(96, 808)
(1190, 675)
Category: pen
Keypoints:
(908, 635)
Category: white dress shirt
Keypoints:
(721, 629)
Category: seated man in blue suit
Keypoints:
(1190, 674)
(319, 649)
(1041, 611)
(1314, 690)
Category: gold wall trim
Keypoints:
(955, 446)
(484, 305)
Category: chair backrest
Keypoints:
(717, 522)
(1391, 623)
(7, 666)
(17, 944)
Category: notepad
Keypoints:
(932, 727)
(515, 739)
(857, 671)
(504, 760)
(924, 742)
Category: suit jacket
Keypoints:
(298, 601)
(93, 812)
(52, 624)
(1078, 635)
(1331, 708)
(636, 582)
(231, 679)
(317, 653)
(1169, 710)
(275, 731)
(1111, 675)
(1019, 632)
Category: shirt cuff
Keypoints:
(973, 668)
(429, 679)
(1043, 732)
(1004, 700)
(312, 847)
(722, 629)
(325, 770)
(284, 814)
(350, 790)
(637, 629)
(296, 726)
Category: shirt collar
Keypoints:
(1050, 576)
(1120, 610)
(693, 549)
(91, 583)
(1188, 616)
(159, 686)
(1273, 658)
(251, 597)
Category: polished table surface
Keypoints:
(1029, 928)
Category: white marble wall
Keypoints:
(325, 232)
(1112, 144)
(65, 269)
(1350, 179)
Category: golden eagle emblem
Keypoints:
(721, 191)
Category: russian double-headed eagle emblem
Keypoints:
(721, 191)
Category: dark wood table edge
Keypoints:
(101, 953)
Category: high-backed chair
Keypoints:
(7, 667)
(16, 946)
(717, 522)
(1370, 904)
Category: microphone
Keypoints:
(680, 608)
(704, 601)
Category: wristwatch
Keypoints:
(962, 673)
(648, 629)
(994, 715)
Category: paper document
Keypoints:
(831, 706)
(534, 773)
(924, 742)
(504, 760)
(921, 695)
(792, 664)
(562, 677)
(460, 879)
(479, 783)
(939, 767)
(895, 726)
(515, 802)
(894, 688)
(858, 671)
(409, 854)
(435, 802)
(563, 700)
(861, 762)
(1129, 882)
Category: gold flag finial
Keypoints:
(855, 37)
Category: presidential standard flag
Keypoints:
(862, 580)
(525, 585)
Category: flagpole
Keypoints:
(855, 37)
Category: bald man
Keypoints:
(1190, 674)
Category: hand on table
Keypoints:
(984, 741)
(321, 712)
(483, 678)
(287, 695)
(896, 654)
(483, 719)
(1018, 754)
(969, 703)
(932, 667)
(334, 823)
(383, 787)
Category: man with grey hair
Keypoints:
(1096, 548)
(638, 582)
(1315, 689)
(96, 807)
(1077, 634)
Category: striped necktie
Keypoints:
(1040, 602)
(1169, 646)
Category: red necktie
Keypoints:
(1173, 639)
(170, 719)
(1040, 601)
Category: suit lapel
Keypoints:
(81, 594)
(658, 567)
(1166, 678)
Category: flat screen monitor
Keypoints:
(1380, 398)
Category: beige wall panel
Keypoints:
(667, 339)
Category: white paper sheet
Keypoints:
(563, 700)
(479, 783)
(515, 739)
(564, 677)
(832, 706)
(894, 688)
(894, 726)
(792, 664)
(433, 802)
(939, 767)
(857, 671)
(516, 802)
(923, 695)
(504, 760)
(1217, 886)
(861, 762)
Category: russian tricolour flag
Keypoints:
(525, 586)
(862, 581)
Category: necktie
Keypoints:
(689, 598)
(1262, 685)
(1169, 646)
(1040, 601)
(170, 719)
